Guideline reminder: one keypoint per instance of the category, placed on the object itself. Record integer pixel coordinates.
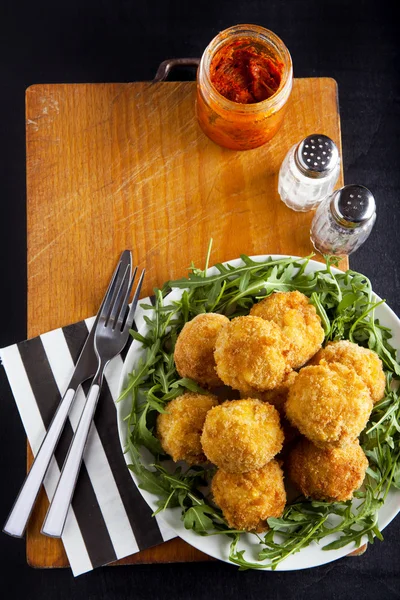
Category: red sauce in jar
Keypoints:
(244, 72)
(244, 83)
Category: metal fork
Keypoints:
(110, 338)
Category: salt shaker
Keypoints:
(344, 220)
(309, 172)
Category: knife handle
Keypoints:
(21, 511)
(56, 515)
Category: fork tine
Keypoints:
(131, 314)
(112, 293)
(119, 299)
(125, 259)
(112, 298)
(124, 306)
(116, 279)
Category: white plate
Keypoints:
(218, 546)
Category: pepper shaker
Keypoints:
(309, 172)
(344, 220)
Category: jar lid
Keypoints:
(316, 156)
(353, 205)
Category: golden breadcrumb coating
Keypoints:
(179, 430)
(299, 322)
(247, 500)
(242, 435)
(331, 474)
(194, 349)
(249, 353)
(278, 396)
(366, 363)
(329, 404)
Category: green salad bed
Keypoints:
(346, 305)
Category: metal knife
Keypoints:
(85, 369)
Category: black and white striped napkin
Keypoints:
(108, 518)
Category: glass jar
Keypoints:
(232, 124)
(309, 172)
(343, 221)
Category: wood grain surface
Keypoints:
(115, 166)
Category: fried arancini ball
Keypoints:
(194, 349)
(249, 353)
(330, 405)
(331, 474)
(278, 396)
(299, 322)
(242, 435)
(179, 429)
(247, 500)
(366, 363)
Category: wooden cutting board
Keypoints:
(115, 166)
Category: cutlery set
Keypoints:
(107, 338)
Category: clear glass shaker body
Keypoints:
(335, 233)
(301, 192)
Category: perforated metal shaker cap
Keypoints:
(316, 156)
(353, 205)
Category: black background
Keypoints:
(356, 42)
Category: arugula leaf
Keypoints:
(189, 384)
(150, 482)
(196, 518)
(144, 436)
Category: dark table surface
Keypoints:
(356, 42)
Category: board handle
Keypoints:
(171, 63)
